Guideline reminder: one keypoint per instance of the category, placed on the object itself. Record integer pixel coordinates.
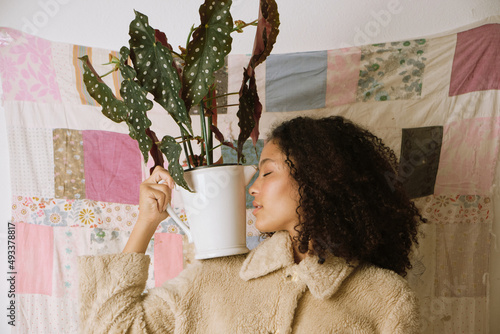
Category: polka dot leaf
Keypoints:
(155, 69)
(132, 110)
(210, 44)
(112, 108)
(172, 151)
(126, 71)
(137, 121)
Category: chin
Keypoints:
(261, 227)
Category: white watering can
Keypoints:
(216, 211)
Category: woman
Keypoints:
(338, 236)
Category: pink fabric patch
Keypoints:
(477, 58)
(69, 243)
(468, 156)
(342, 76)
(34, 258)
(26, 68)
(112, 167)
(168, 258)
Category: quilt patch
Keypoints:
(69, 172)
(27, 69)
(475, 65)
(31, 156)
(467, 165)
(419, 162)
(34, 254)
(112, 167)
(168, 256)
(296, 81)
(392, 71)
(342, 76)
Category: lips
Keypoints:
(257, 207)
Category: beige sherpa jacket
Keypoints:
(264, 292)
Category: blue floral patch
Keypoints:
(55, 217)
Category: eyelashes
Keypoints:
(266, 174)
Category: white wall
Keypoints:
(305, 26)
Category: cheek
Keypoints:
(286, 198)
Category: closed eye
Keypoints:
(266, 174)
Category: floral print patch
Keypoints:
(74, 213)
(69, 173)
(446, 209)
(392, 71)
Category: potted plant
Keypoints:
(179, 81)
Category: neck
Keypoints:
(297, 255)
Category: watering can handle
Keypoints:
(179, 222)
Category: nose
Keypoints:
(254, 190)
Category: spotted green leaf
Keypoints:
(135, 98)
(132, 110)
(138, 121)
(127, 71)
(172, 151)
(112, 108)
(155, 70)
(206, 51)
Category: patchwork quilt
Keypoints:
(76, 174)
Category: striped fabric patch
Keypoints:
(80, 51)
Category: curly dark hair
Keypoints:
(348, 206)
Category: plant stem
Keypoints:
(210, 150)
(202, 154)
(114, 69)
(253, 23)
(227, 105)
(213, 148)
(216, 97)
(155, 151)
(183, 129)
(189, 36)
(204, 132)
(185, 148)
(175, 53)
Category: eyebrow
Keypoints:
(262, 162)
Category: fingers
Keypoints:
(160, 193)
(161, 174)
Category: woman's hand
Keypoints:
(154, 197)
(153, 200)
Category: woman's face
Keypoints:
(276, 193)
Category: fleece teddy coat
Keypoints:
(263, 292)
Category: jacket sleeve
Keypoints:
(404, 317)
(112, 298)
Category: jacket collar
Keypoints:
(274, 253)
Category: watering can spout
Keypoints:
(249, 172)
